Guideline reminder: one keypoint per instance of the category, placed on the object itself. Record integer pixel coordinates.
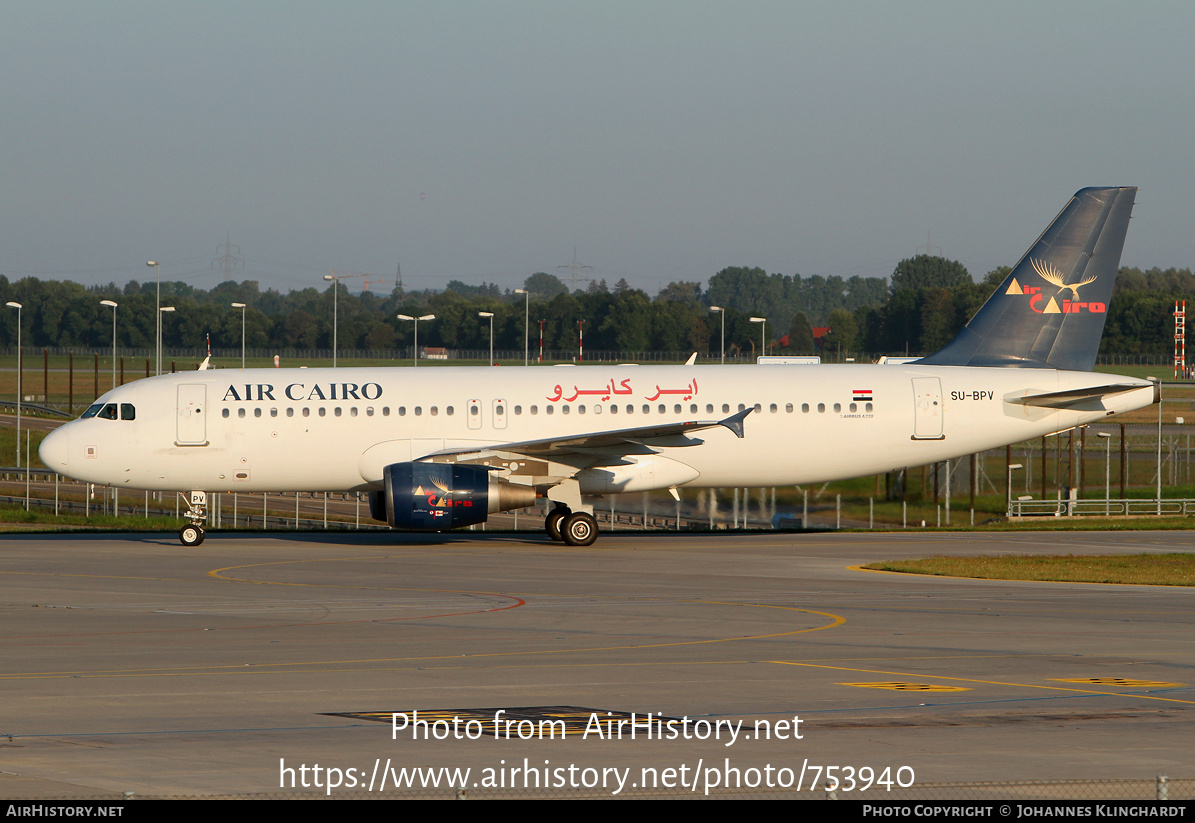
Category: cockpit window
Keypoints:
(112, 411)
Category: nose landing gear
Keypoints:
(196, 513)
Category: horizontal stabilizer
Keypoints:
(1073, 397)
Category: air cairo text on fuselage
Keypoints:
(300, 391)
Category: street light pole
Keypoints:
(241, 306)
(157, 267)
(20, 388)
(722, 311)
(112, 304)
(415, 349)
(335, 313)
(161, 310)
(526, 323)
(490, 315)
(1008, 502)
(763, 335)
(1107, 471)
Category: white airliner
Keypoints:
(440, 448)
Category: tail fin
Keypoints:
(1050, 310)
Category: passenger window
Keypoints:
(306, 412)
(535, 409)
(225, 413)
(518, 409)
(369, 411)
(240, 412)
(867, 407)
(290, 412)
(854, 407)
(662, 408)
(127, 412)
(336, 411)
(788, 407)
(805, 408)
(435, 410)
(257, 412)
(273, 412)
(709, 408)
(580, 409)
(772, 408)
(837, 408)
(418, 411)
(693, 409)
(353, 411)
(323, 411)
(385, 411)
(726, 408)
(450, 411)
(564, 409)
(676, 409)
(402, 411)
(821, 408)
(549, 409)
(646, 409)
(613, 409)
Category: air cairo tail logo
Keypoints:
(1053, 276)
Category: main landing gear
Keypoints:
(196, 513)
(571, 528)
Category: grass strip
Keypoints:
(1142, 569)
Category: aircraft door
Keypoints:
(499, 414)
(191, 423)
(474, 409)
(927, 399)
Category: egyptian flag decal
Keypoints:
(861, 395)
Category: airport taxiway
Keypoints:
(131, 664)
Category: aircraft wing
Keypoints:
(667, 434)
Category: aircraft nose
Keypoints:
(55, 451)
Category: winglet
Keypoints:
(692, 359)
(206, 364)
(735, 421)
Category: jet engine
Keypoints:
(442, 496)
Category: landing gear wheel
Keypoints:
(552, 522)
(580, 529)
(190, 535)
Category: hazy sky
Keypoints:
(663, 140)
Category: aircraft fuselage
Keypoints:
(285, 430)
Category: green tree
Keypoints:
(544, 286)
(800, 334)
(928, 272)
(843, 331)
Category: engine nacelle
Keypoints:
(442, 496)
